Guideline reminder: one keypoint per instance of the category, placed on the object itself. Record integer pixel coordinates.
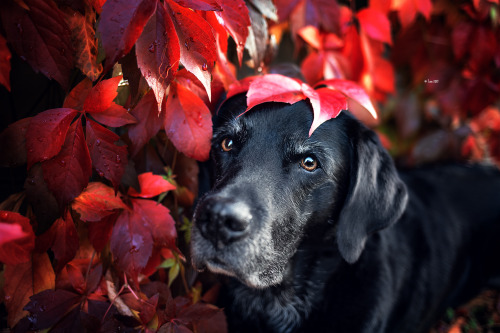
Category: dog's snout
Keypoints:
(223, 220)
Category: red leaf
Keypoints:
(197, 41)
(121, 23)
(4, 63)
(24, 280)
(351, 90)
(375, 24)
(188, 123)
(240, 86)
(274, 88)
(235, 18)
(84, 41)
(18, 249)
(151, 186)
(50, 306)
(131, 243)
(41, 37)
(331, 102)
(205, 5)
(114, 116)
(149, 122)
(14, 154)
(158, 53)
(10, 232)
(101, 96)
(108, 159)
(407, 9)
(157, 218)
(76, 98)
(68, 173)
(96, 202)
(46, 134)
(66, 241)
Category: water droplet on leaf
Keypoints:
(204, 66)
(118, 159)
(97, 142)
(152, 47)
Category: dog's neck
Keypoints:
(282, 307)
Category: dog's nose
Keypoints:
(223, 220)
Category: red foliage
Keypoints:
(141, 80)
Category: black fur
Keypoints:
(353, 246)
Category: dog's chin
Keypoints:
(256, 280)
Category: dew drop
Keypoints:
(101, 174)
(4, 215)
(42, 308)
(97, 142)
(8, 297)
(240, 5)
(122, 30)
(204, 66)
(62, 163)
(133, 249)
(118, 159)
(152, 47)
(186, 44)
(32, 181)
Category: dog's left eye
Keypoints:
(309, 163)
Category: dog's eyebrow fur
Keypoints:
(234, 127)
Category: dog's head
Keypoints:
(276, 188)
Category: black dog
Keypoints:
(322, 234)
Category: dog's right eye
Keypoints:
(227, 144)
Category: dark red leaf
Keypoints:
(149, 122)
(46, 134)
(40, 36)
(14, 153)
(68, 173)
(76, 278)
(131, 243)
(66, 241)
(151, 186)
(96, 202)
(120, 25)
(114, 116)
(158, 52)
(235, 18)
(157, 219)
(101, 96)
(376, 24)
(4, 63)
(461, 38)
(24, 280)
(148, 309)
(50, 306)
(188, 123)
(317, 13)
(100, 232)
(200, 4)
(189, 81)
(108, 159)
(15, 250)
(83, 37)
(197, 42)
(76, 98)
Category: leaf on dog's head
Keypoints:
(327, 101)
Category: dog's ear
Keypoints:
(376, 196)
